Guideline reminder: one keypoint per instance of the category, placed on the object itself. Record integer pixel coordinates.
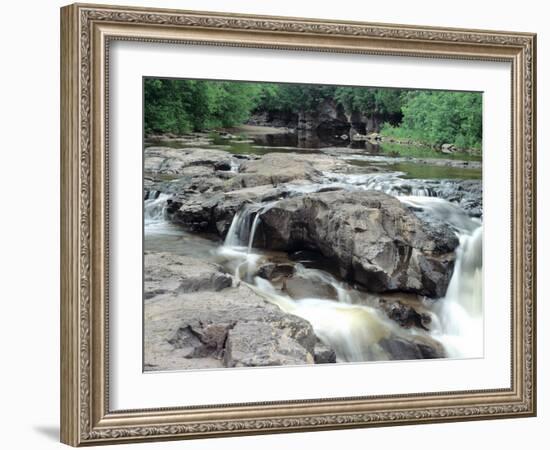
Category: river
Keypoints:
(350, 322)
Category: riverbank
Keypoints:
(360, 253)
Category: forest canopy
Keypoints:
(432, 117)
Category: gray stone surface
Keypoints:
(375, 239)
(170, 273)
(233, 327)
(168, 160)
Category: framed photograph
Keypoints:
(276, 224)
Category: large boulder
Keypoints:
(375, 239)
(214, 211)
(232, 328)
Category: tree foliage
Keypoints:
(182, 106)
(439, 117)
(371, 101)
(436, 117)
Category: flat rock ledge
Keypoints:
(198, 322)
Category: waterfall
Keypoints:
(319, 276)
(154, 207)
(232, 238)
(393, 183)
(234, 166)
(457, 320)
(444, 211)
(239, 241)
(390, 183)
(460, 312)
(253, 230)
(245, 224)
(239, 230)
(352, 331)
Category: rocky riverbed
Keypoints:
(259, 253)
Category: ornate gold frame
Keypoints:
(86, 31)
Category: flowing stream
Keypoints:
(355, 329)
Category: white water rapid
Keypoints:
(355, 331)
(154, 208)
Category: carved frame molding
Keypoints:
(86, 32)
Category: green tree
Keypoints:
(370, 101)
(181, 106)
(435, 117)
(440, 117)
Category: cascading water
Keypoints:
(352, 331)
(238, 244)
(460, 313)
(459, 321)
(355, 331)
(244, 225)
(320, 276)
(154, 207)
(253, 231)
(394, 183)
(444, 211)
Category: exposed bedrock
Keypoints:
(170, 273)
(257, 181)
(214, 212)
(373, 237)
(166, 160)
(195, 319)
(279, 168)
(329, 117)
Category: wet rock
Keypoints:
(405, 315)
(195, 212)
(233, 327)
(323, 354)
(376, 240)
(305, 256)
(214, 211)
(171, 273)
(299, 287)
(272, 271)
(438, 212)
(417, 348)
(222, 165)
